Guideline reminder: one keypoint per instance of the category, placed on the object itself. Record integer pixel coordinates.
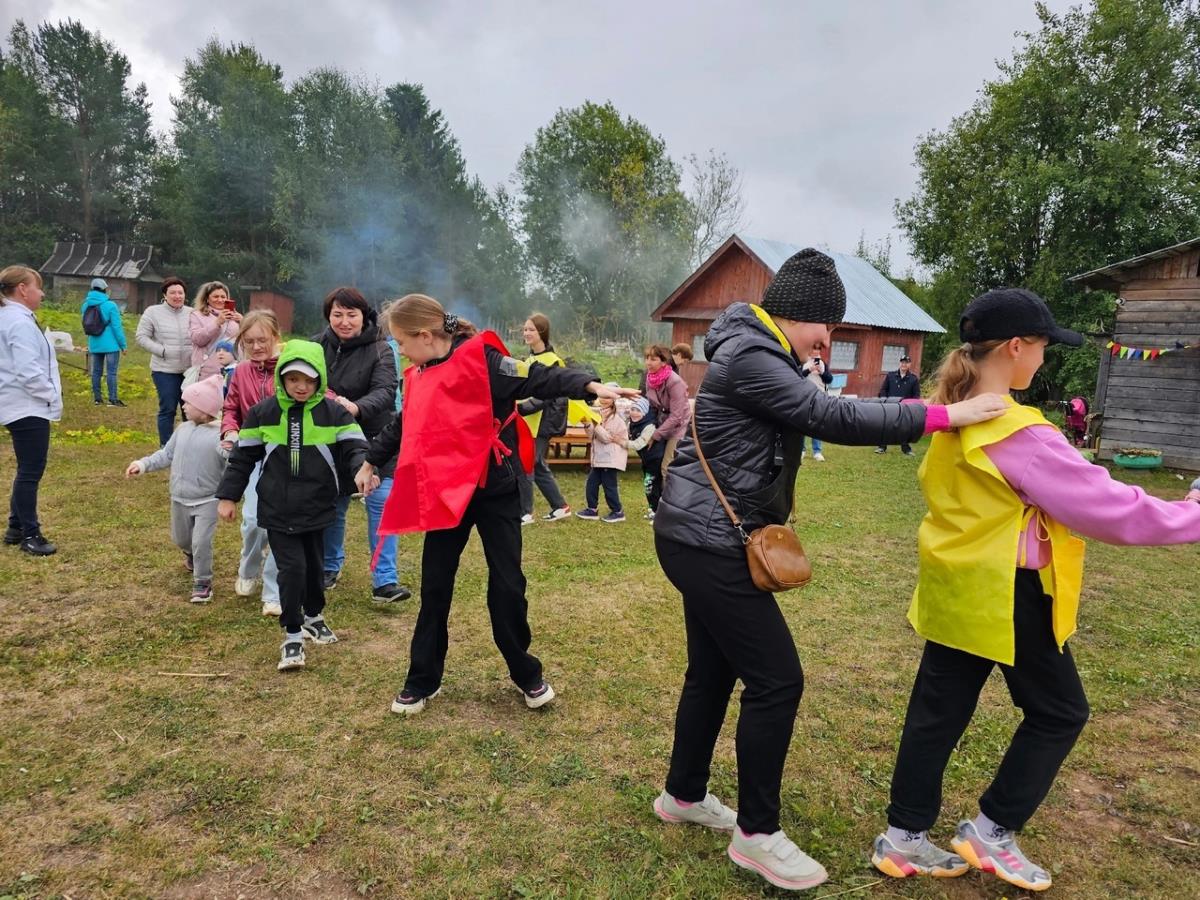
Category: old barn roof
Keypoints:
(132, 261)
(1111, 276)
(871, 299)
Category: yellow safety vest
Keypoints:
(577, 410)
(968, 544)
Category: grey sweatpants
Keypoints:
(192, 530)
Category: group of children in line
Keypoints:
(296, 449)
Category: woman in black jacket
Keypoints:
(362, 378)
(752, 411)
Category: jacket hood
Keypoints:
(306, 351)
(94, 298)
(739, 320)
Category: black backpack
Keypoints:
(93, 321)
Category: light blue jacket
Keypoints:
(112, 338)
(29, 381)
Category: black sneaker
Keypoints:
(390, 593)
(331, 579)
(37, 545)
(115, 403)
(291, 656)
(318, 632)
(96, 401)
(12, 535)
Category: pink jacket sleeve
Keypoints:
(1047, 472)
(676, 422)
(203, 330)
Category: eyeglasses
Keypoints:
(257, 342)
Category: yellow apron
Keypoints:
(968, 545)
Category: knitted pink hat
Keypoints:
(208, 395)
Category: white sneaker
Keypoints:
(776, 859)
(709, 812)
(244, 587)
(554, 515)
(527, 519)
(272, 609)
(818, 457)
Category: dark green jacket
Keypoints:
(307, 451)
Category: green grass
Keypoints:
(119, 781)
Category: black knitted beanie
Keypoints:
(806, 289)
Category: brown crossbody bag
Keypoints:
(774, 554)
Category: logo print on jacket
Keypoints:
(294, 439)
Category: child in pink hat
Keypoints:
(197, 462)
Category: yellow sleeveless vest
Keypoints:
(968, 545)
(577, 410)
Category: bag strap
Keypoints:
(733, 517)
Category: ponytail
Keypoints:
(415, 313)
(959, 372)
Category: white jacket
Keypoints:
(164, 333)
(29, 381)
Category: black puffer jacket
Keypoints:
(751, 411)
(363, 369)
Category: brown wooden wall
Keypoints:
(1156, 403)
(282, 306)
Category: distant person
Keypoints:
(106, 339)
(815, 370)
(30, 399)
(900, 385)
(680, 354)
(641, 440)
(197, 461)
(667, 392)
(546, 420)
(609, 458)
(998, 586)
(164, 332)
(214, 319)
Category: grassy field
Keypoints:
(121, 779)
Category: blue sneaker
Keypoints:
(588, 513)
(614, 517)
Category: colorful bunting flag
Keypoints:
(1122, 351)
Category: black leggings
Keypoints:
(1043, 683)
(734, 631)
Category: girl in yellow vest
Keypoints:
(999, 583)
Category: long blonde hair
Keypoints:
(414, 313)
(260, 317)
(200, 302)
(13, 276)
(959, 372)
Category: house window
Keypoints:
(698, 348)
(844, 355)
(891, 357)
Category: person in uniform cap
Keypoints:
(901, 385)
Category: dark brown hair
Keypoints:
(542, 324)
(661, 351)
(347, 298)
(169, 282)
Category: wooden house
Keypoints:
(131, 270)
(881, 325)
(1148, 387)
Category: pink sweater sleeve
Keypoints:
(1047, 472)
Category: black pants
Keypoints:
(498, 519)
(904, 448)
(652, 482)
(301, 561)
(31, 444)
(606, 478)
(543, 478)
(1043, 683)
(734, 631)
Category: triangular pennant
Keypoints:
(1109, 345)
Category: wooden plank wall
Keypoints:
(1156, 403)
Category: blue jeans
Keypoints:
(606, 478)
(107, 363)
(170, 392)
(31, 444)
(255, 562)
(335, 537)
(816, 445)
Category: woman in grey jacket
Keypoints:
(752, 411)
(164, 333)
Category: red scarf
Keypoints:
(657, 379)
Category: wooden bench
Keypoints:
(561, 450)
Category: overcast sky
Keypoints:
(818, 103)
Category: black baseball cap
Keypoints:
(1004, 313)
(905, 358)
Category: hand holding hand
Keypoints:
(226, 510)
(977, 409)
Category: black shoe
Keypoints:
(37, 545)
(331, 579)
(97, 402)
(390, 593)
(115, 403)
(12, 535)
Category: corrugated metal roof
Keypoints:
(102, 261)
(1106, 276)
(871, 299)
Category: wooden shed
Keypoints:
(131, 270)
(1148, 387)
(881, 325)
(282, 305)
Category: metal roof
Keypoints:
(871, 299)
(1107, 276)
(132, 261)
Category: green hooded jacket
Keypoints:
(309, 451)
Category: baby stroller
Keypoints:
(1076, 424)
